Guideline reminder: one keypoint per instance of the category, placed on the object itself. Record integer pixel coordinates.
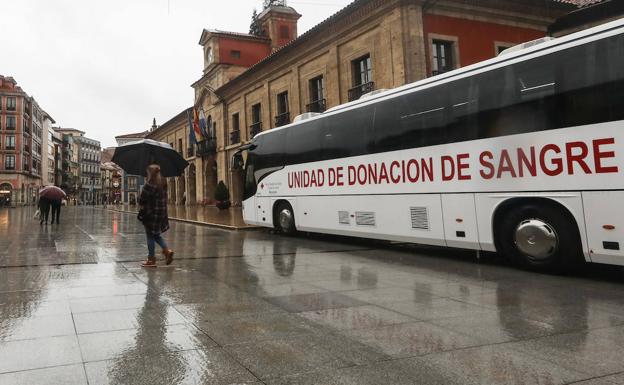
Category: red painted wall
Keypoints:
(251, 51)
(476, 39)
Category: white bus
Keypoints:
(522, 154)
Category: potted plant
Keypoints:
(222, 196)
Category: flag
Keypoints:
(198, 133)
(203, 123)
(192, 137)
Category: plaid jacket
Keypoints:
(154, 204)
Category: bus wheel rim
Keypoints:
(285, 219)
(537, 239)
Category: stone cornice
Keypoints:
(349, 16)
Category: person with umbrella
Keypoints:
(153, 214)
(44, 207)
(54, 197)
(161, 161)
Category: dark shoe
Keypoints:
(149, 263)
(168, 253)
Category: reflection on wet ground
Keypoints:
(230, 219)
(254, 308)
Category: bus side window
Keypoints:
(348, 133)
(303, 142)
(270, 153)
(591, 83)
(463, 124)
(417, 119)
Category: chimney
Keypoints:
(279, 23)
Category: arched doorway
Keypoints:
(191, 196)
(181, 190)
(6, 193)
(210, 178)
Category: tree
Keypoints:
(255, 29)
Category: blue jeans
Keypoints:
(151, 244)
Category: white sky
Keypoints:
(108, 67)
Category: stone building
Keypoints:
(254, 83)
(21, 130)
(89, 154)
(190, 188)
(49, 161)
(70, 161)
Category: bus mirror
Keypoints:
(237, 161)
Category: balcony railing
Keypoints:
(282, 119)
(356, 92)
(11, 148)
(235, 137)
(317, 106)
(207, 147)
(190, 152)
(255, 129)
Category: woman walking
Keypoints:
(153, 214)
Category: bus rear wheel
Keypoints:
(540, 237)
(285, 218)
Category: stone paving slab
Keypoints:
(257, 308)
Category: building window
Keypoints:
(209, 56)
(235, 134)
(11, 103)
(362, 70)
(132, 182)
(317, 95)
(442, 57)
(9, 162)
(235, 54)
(180, 146)
(9, 142)
(256, 120)
(284, 32)
(283, 115)
(10, 122)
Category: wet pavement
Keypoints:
(231, 219)
(258, 308)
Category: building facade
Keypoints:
(89, 156)
(21, 133)
(250, 84)
(184, 189)
(70, 161)
(49, 159)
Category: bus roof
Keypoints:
(509, 56)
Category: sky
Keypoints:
(108, 67)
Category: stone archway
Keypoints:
(210, 178)
(181, 190)
(192, 189)
(6, 194)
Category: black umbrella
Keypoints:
(134, 157)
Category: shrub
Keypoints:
(222, 193)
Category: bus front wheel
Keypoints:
(540, 237)
(285, 218)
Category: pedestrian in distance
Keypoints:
(56, 211)
(44, 209)
(153, 215)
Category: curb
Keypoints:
(190, 221)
